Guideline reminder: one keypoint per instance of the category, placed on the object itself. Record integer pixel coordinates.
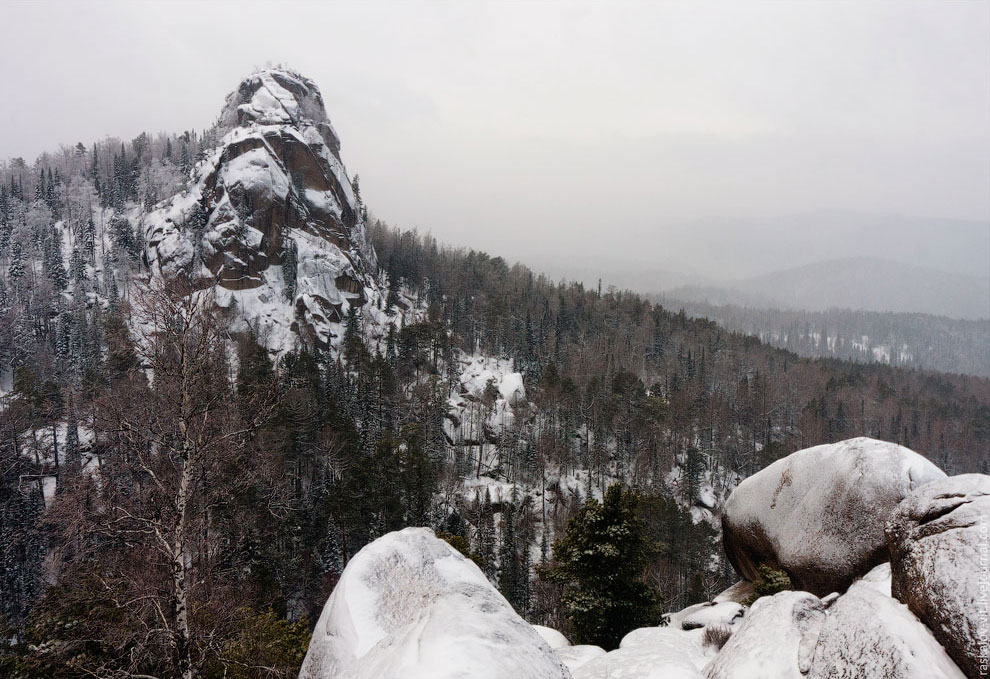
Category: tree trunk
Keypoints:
(179, 586)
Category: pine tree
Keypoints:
(508, 554)
(485, 535)
(53, 261)
(16, 271)
(290, 256)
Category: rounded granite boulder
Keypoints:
(819, 513)
(939, 544)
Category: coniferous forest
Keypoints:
(178, 499)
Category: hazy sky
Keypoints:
(557, 128)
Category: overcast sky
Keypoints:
(551, 127)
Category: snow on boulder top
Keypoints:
(869, 635)
(776, 639)
(409, 606)
(554, 639)
(649, 653)
(819, 513)
(723, 613)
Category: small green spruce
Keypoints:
(599, 564)
(770, 582)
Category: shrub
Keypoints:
(769, 583)
(716, 635)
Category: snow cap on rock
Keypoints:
(409, 606)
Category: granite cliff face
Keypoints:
(271, 216)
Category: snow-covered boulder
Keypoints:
(650, 653)
(554, 639)
(818, 513)
(877, 579)
(409, 606)
(936, 536)
(776, 639)
(868, 635)
(576, 656)
(725, 614)
(740, 592)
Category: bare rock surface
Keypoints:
(938, 536)
(819, 513)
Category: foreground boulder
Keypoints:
(776, 639)
(409, 606)
(935, 537)
(554, 639)
(868, 635)
(818, 514)
(650, 653)
(576, 656)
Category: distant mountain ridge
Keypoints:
(853, 283)
(907, 340)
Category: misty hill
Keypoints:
(907, 340)
(724, 248)
(857, 260)
(854, 283)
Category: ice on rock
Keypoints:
(819, 513)
(409, 606)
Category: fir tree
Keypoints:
(290, 256)
(599, 563)
(16, 271)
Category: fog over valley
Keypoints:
(661, 145)
(418, 339)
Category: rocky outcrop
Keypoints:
(776, 639)
(409, 606)
(271, 217)
(818, 514)
(868, 635)
(938, 536)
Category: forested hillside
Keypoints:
(218, 381)
(907, 340)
